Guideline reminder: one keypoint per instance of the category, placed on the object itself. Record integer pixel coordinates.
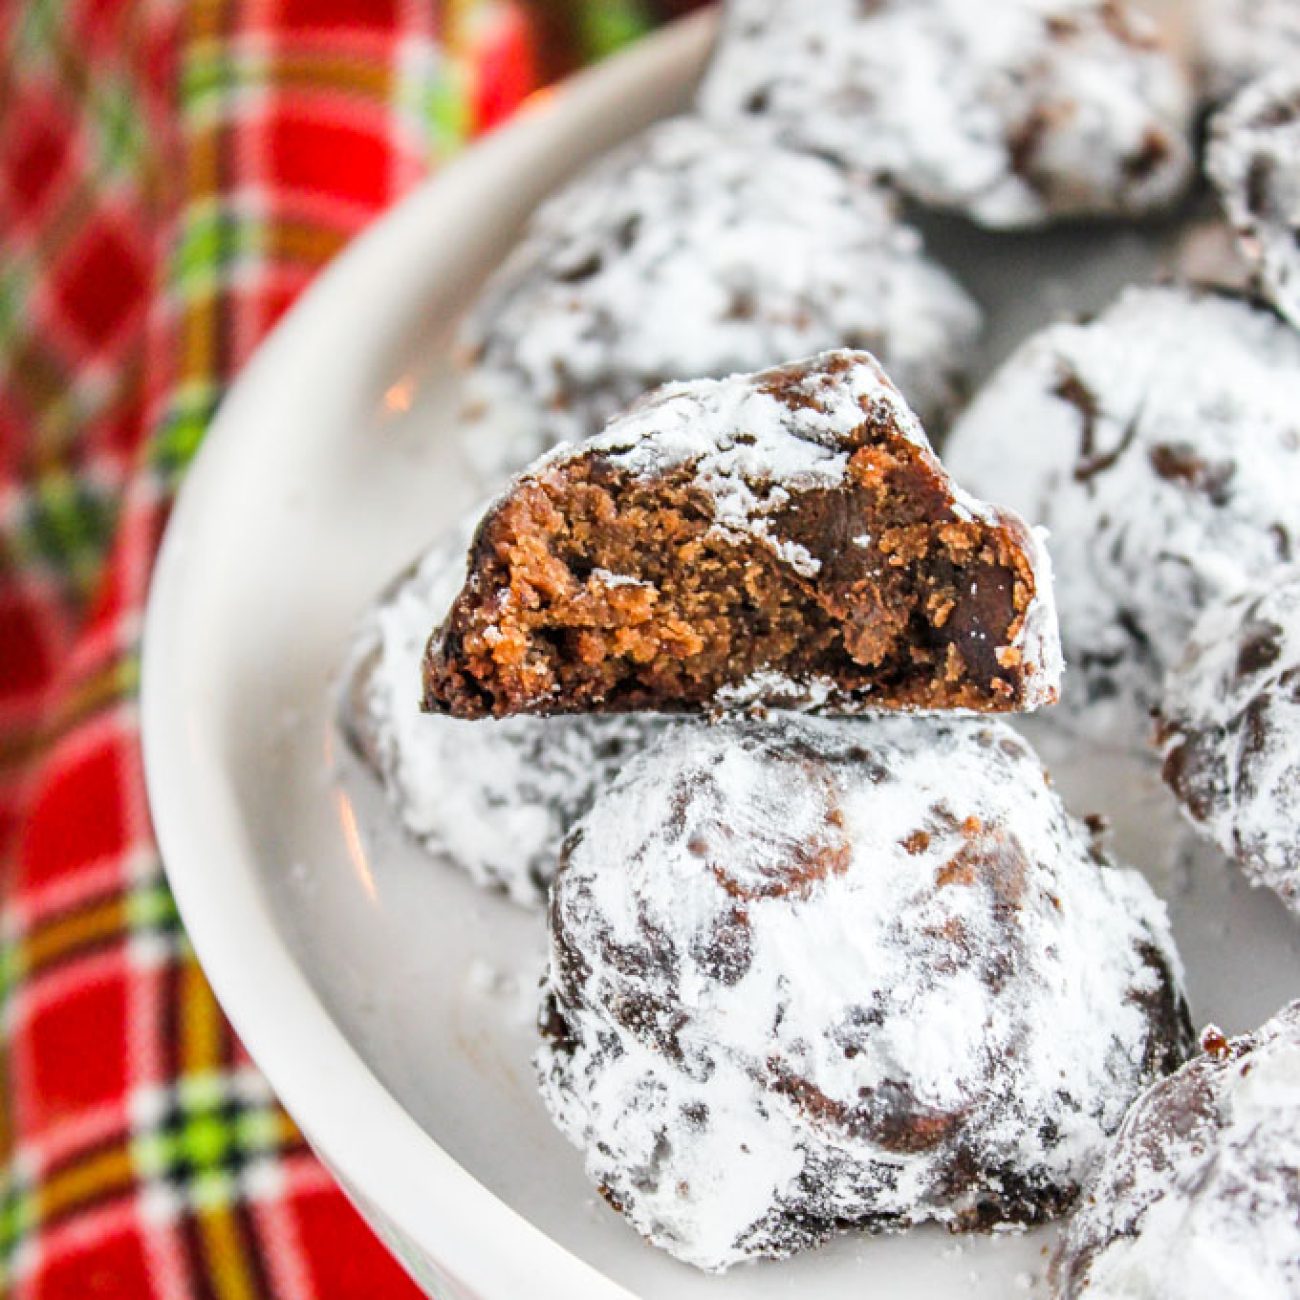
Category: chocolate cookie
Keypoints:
(817, 975)
(1200, 1195)
(495, 798)
(696, 252)
(786, 538)
(1160, 445)
(1239, 40)
(1010, 111)
(1254, 161)
(1230, 730)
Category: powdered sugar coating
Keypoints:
(495, 797)
(1254, 161)
(1239, 40)
(816, 974)
(1011, 111)
(1230, 731)
(1160, 445)
(696, 252)
(1199, 1199)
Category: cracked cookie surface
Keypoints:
(1159, 444)
(814, 975)
(694, 252)
(1199, 1197)
(1012, 112)
(1229, 731)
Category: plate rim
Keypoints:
(395, 1171)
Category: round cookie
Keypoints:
(1254, 161)
(1013, 112)
(694, 252)
(1239, 40)
(1230, 731)
(1160, 445)
(496, 798)
(814, 975)
(1199, 1196)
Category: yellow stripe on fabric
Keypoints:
(198, 350)
(68, 933)
(20, 746)
(333, 72)
(457, 19)
(103, 1173)
(107, 685)
(229, 1273)
(115, 681)
(302, 243)
(200, 1028)
(207, 22)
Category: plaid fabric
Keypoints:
(171, 176)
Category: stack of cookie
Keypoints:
(717, 675)
(809, 973)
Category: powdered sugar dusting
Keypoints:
(814, 972)
(694, 252)
(1160, 442)
(1039, 639)
(737, 434)
(1012, 111)
(1254, 161)
(496, 797)
(1231, 730)
(1239, 40)
(1198, 1198)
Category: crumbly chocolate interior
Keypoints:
(758, 934)
(594, 589)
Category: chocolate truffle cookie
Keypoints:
(1239, 40)
(1254, 161)
(786, 538)
(1230, 730)
(696, 252)
(1010, 111)
(1160, 445)
(495, 798)
(1200, 1195)
(815, 975)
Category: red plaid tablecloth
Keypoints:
(171, 175)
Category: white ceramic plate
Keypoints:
(388, 1001)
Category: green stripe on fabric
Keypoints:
(211, 71)
(36, 33)
(119, 129)
(181, 431)
(150, 906)
(609, 25)
(15, 292)
(13, 966)
(208, 1135)
(211, 238)
(67, 523)
(19, 1218)
(442, 103)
